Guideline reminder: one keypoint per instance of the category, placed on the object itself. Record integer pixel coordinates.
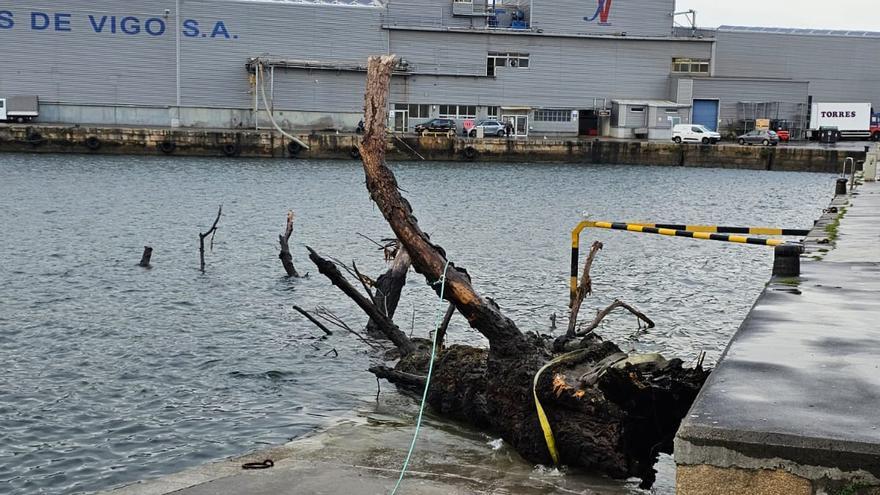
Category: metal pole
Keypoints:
(177, 47)
(272, 90)
(176, 120)
(258, 67)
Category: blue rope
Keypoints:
(412, 446)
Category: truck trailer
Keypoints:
(849, 120)
(19, 109)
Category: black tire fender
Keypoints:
(293, 148)
(35, 139)
(354, 153)
(167, 146)
(470, 153)
(231, 149)
(93, 143)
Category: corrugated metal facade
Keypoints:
(121, 55)
(633, 17)
(838, 68)
(736, 95)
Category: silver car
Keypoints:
(767, 138)
(491, 127)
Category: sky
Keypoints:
(859, 15)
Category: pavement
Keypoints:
(363, 454)
(799, 385)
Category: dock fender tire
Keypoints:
(293, 148)
(706, 141)
(354, 153)
(35, 139)
(167, 146)
(470, 153)
(742, 142)
(92, 143)
(472, 134)
(676, 140)
(231, 149)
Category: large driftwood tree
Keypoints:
(608, 411)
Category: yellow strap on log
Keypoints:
(542, 416)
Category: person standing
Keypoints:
(508, 129)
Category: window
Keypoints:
(552, 115)
(415, 111)
(637, 109)
(698, 130)
(672, 110)
(492, 112)
(458, 111)
(697, 66)
(504, 59)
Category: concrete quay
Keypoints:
(792, 407)
(162, 141)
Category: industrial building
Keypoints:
(560, 67)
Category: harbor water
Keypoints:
(112, 373)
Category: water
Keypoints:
(113, 373)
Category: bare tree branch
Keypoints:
(583, 332)
(585, 288)
(313, 320)
(284, 255)
(202, 236)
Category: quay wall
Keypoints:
(265, 144)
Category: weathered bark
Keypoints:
(284, 255)
(202, 237)
(618, 421)
(444, 325)
(388, 289)
(388, 327)
(585, 288)
(145, 258)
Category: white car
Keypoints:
(694, 133)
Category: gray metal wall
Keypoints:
(731, 91)
(839, 69)
(428, 13)
(562, 73)
(634, 17)
(81, 66)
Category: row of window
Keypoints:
(502, 59)
(552, 115)
(416, 111)
(521, 61)
(690, 66)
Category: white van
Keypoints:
(694, 133)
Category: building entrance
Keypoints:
(588, 123)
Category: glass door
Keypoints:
(520, 124)
(399, 120)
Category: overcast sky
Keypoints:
(829, 14)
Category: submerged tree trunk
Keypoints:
(388, 288)
(284, 255)
(608, 411)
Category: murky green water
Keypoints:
(112, 373)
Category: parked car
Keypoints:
(491, 127)
(694, 133)
(440, 126)
(767, 138)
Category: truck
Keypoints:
(19, 108)
(875, 127)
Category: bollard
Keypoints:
(787, 260)
(840, 189)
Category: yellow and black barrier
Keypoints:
(704, 232)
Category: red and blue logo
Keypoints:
(603, 11)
